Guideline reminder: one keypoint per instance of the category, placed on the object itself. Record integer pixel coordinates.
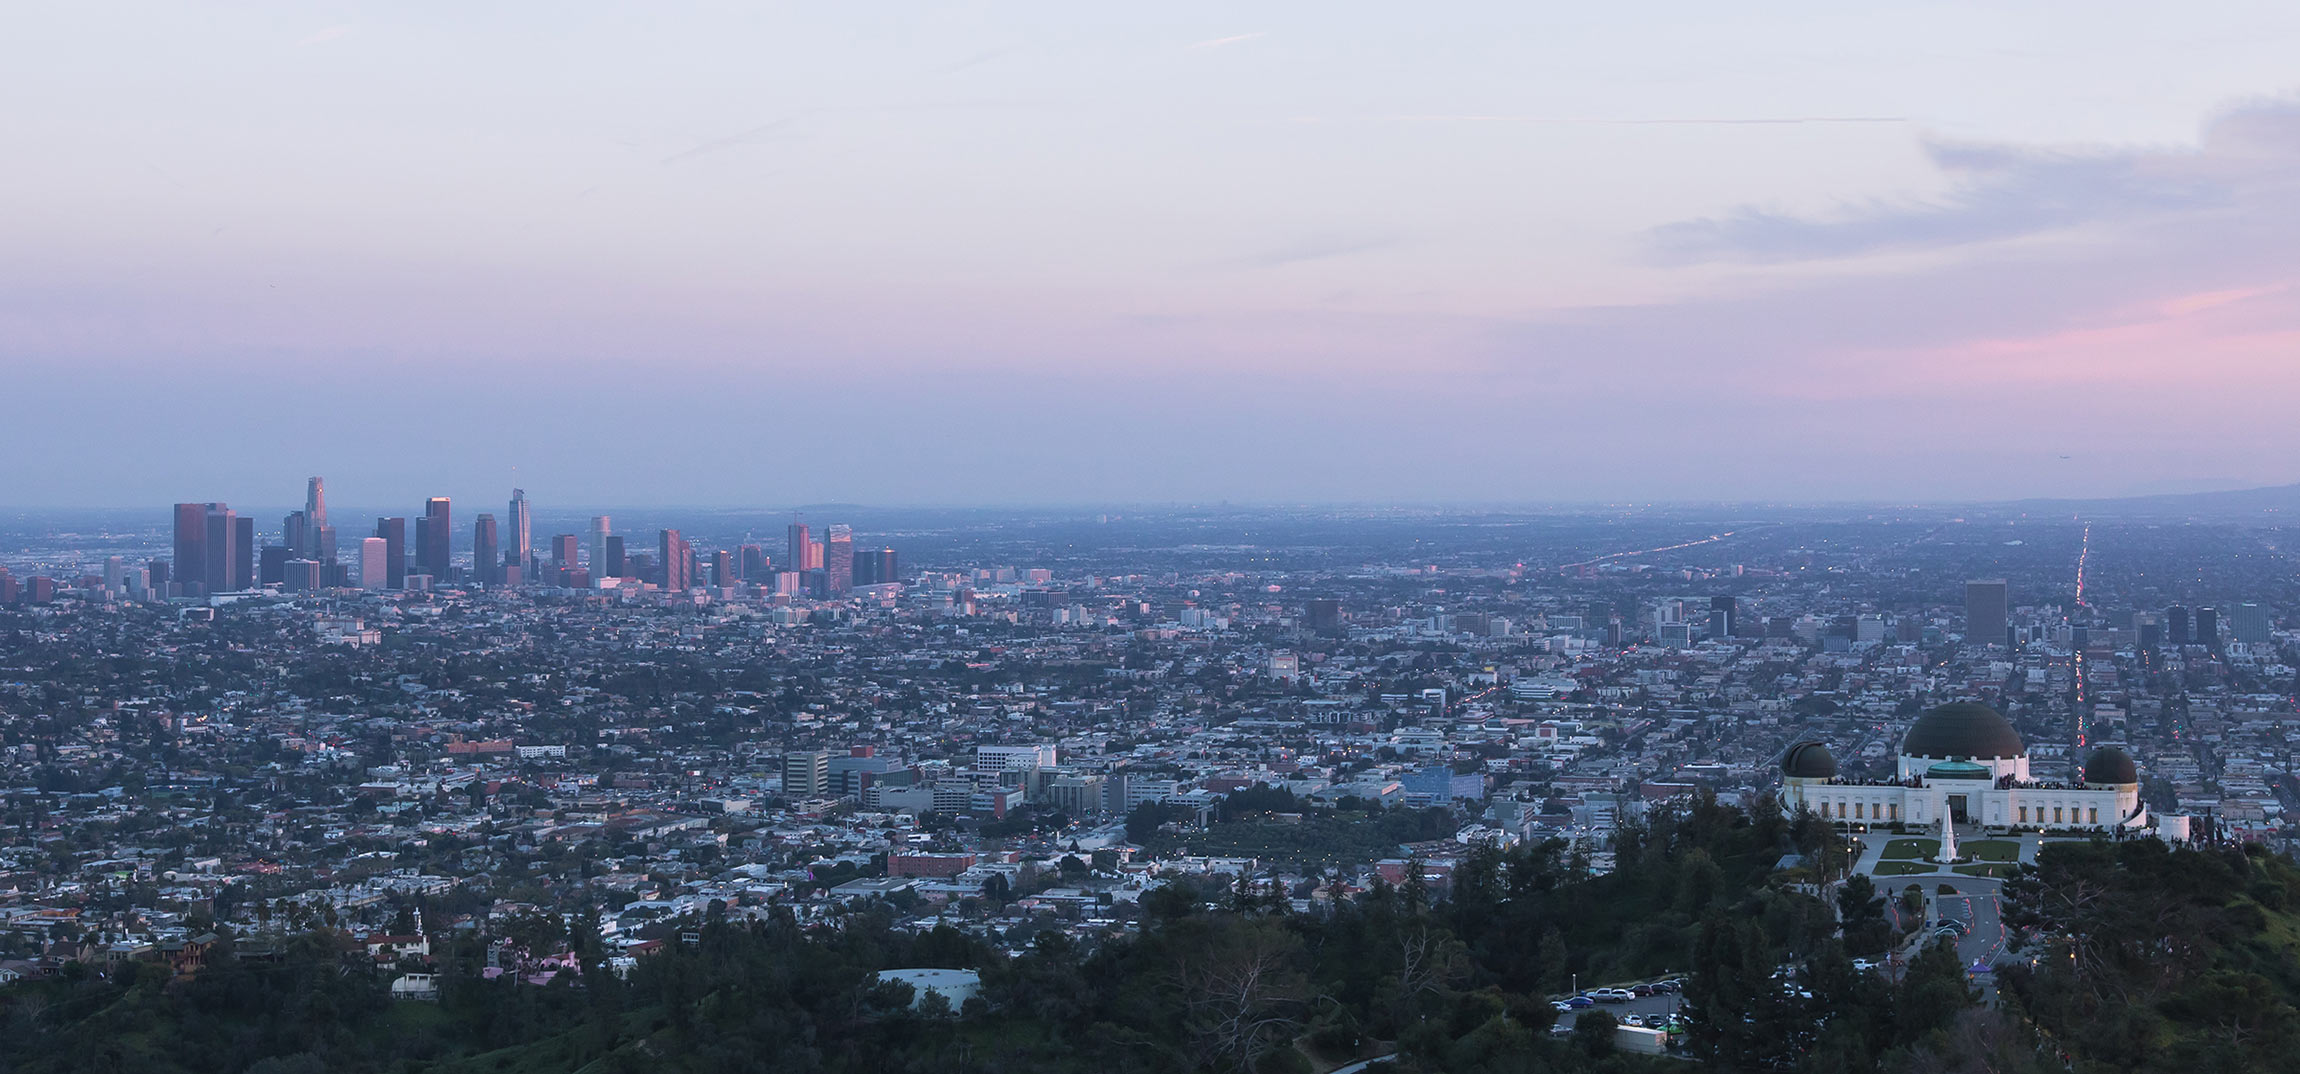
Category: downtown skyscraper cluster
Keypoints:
(216, 550)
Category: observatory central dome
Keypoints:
(1964, 729)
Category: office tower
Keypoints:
(874, 566)
(618, 563)
(115, 573)
(216, 549)
(678, 559)
(374, 563)
(2249, 623)
(243, 552)
(795, 548)
(314, 517)
(324, 546)
(435, 540)
(601, 528)
(1987, 611)
(393, 531)
(521, 550)
(814, 555)
(217, 560)
(2208, 628)
(292, 535)
(723, 568)
(806, 774)
(486, 551)
(191, 547)
(1724, 616)
(271, 564)
(300, 575)
(563, 550)
(2151, 635)
(753, 563)
(1322, 615)
(2176, 625)
(159, 571)
(839, 558)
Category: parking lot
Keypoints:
(1645, 1007)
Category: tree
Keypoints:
(1931, 993)
(1594, 1032)
(1241, 988)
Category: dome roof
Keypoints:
(2111, 765)
(1809, 760)
(1966, 729)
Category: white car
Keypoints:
(1613, 995)
(1862, 965)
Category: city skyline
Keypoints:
(1041, 255)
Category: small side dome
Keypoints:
(2111, 765)
(1809, 760)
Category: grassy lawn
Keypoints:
(1991, 849)
(1987, 868)
(1902, 868)
(1912, 848)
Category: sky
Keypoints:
(758, 254)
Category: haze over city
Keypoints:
(1053, 538)
(739, 255)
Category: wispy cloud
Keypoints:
(741, 138)
(321, 37)
(1315, 248)
(1220, 42)
(1634, 121)
(2131, 278)
(978, 59)
(2248, 160)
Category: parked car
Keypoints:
(1641, 991)
(1863, 965)
(1614, 995)
(1633, 1019)
(1562, 1005)
(1579, 1002)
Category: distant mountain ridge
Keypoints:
(2268, 501)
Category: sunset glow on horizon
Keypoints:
(1034, 253)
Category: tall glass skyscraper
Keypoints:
(522, 545)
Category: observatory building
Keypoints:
(1964, 762)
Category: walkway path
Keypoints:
(1873, 853)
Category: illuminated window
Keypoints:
(2024, 814)
(1840, 811)
(1857, 808)
(2056, 814)
(2092, 815)
(1896, 807)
